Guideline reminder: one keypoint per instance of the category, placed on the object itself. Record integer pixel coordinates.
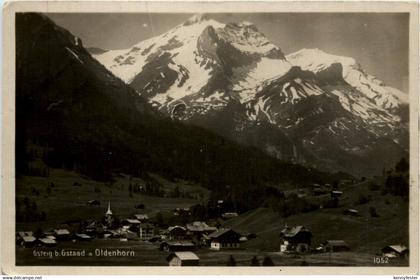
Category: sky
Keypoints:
(378, 41)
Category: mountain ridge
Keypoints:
(194, 71)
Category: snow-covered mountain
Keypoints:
(309, 107)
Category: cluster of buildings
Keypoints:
(298, 239)
(179, 240)
(182, 240)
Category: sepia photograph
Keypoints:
(263, 138)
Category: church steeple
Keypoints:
(109, 212)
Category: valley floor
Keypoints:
(365, 235)
(147, 254)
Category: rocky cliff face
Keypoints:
(308, 107)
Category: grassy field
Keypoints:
(364, 234)
(68, 202)
(147, 254)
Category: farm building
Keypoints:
(296, 239)
(22, 234)
(229, 215)
(177, 233)
(336, 194)
(351, 212)
(177, 246)
(395, 251)
(131, 224)
(82, 237)
(48, 242)
(48, 232)
(319, 191)
(182, 211)
(62, 234)
(183, 259)
(27, 241)
(146, 231)
(335, 246)
(93, 202)
(224, 239)
(200, 228)
(142, 217)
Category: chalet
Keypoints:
(301, 193)
(229, 215)
(177, 246)
(131, 224)
(224, 239)
(319, 191)
(336, 194)
(128, 234)
(182, 211)
(313, 186)
(62, 234)
(91, 228)
(93, 202)
(177, 233)
(82, 237)
(47, 242)
(146, 231)
(296, 239)
(335, 246)
(199, 228)
(28, 241)
(351, 212)
(243, 239)
(395, 251)
(48, 232)
(22, 234)
(142, 217)
(344, 182)
(183, 259)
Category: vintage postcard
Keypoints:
(203, 138)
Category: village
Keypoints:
(190, 243)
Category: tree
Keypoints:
(159, 219)
(254, 261)
(373, 213)
(231, 261)
(26, 201)
(402, 166)
(268, 261)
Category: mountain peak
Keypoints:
(197, 19)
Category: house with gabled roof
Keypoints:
(295, 239)
(224, 239)
(395, 251)
(335, 246)
(183, 259)
(177, 233)
(177, 246)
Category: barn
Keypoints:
(335, 246)
(177, 246)
(395, 251)
(183, 259)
